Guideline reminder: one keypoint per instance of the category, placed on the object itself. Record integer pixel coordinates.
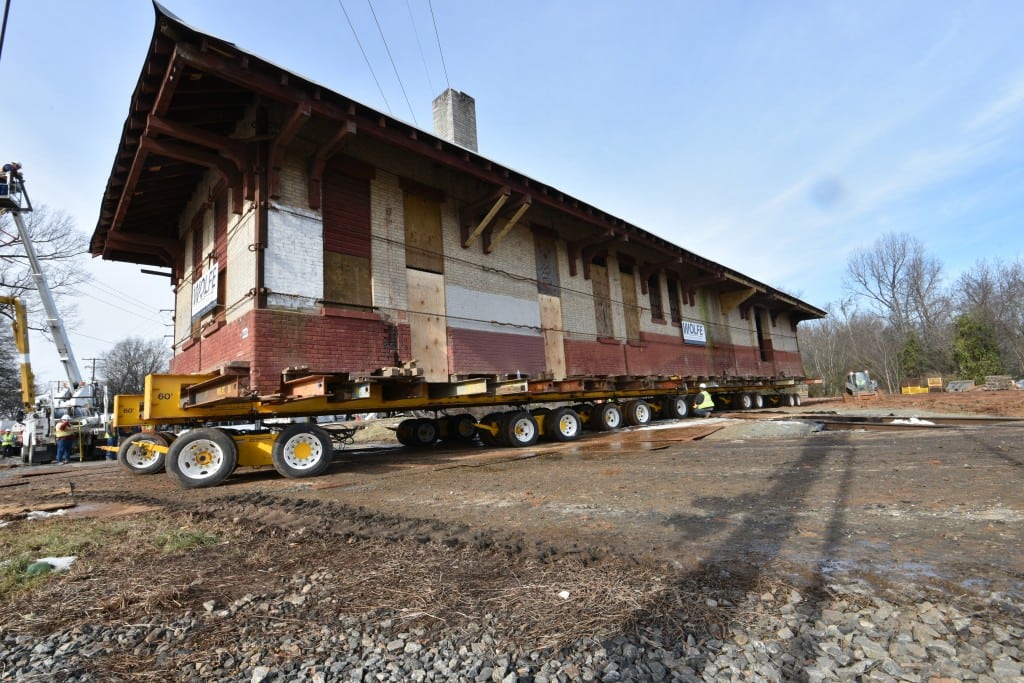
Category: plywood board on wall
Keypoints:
(630, 306)
(602, 301)
(347, 279)
(554, 343)
(424, 248)
(428, 336)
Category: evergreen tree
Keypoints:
(976, 349)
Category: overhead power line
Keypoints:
(438, 38)
(365, 58)
(419, 45)
(393, 66)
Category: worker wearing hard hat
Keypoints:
(704, 404)
(64, 434)
(7, 441)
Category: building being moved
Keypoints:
(304, 229)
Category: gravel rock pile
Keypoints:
(299, 634)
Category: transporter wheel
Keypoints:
(745, 402)
(424, 432)
(520, 429)
(202, 457)
(758, 401)
(562, 424)
(637, 413)
(460, 428)
(486, 436)
(675, 407)
(138, 459)
(302, 450)
(796, 399)
(607, 417)
(404, 431)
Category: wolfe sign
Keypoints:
(204, 292)
(694, 333)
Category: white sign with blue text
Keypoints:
(204, 292)
(694, 333)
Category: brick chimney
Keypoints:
(455, 118)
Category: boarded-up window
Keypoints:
(545, 251)
(197, 246)
(346, 210)
(602, 299)
(673, 301)
(424, 248)
(631, 308)
(220, 244)
(654, 294)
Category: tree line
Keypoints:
(901, 321)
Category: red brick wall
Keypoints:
(591, 357)
(351, 342)
(477, 351)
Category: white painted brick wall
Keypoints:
(293, 262)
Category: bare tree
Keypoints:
(825, 350)
(897, 280)
(127, 364)
(10, 376)
(59, 247)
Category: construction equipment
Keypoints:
(860, 387)
(203, 454)
(81, 402)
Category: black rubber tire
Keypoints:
(486, 437)
(135, 459)
(202, 457)
(675, 407)
(520, 429)
(586, 413)
(637, 413)
(302, 450)
(607, 417)
(562, 424)
(745, 402)
(404, 431)
(424, 432)
(460, 428)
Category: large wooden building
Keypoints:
(302, 228)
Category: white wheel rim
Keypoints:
(138, 457)
(303, 451)
(200, 459)
(643, 414)
(680, 406)
(426, 432)
(523, 430)
(568, 425)
(611, 418)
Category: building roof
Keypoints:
(195, 89)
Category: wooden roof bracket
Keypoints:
(587, 248)
(734, 299)
(234, 150)
(493, 237)
(224, 168)
(299, 117)
(691, 287)
(468, 215)
(318, 161)
(650, 269)
(168, 248)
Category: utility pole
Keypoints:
(92, 372)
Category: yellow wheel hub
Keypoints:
(302, 451)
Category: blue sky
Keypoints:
(774, 138)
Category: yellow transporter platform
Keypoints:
(205, 455)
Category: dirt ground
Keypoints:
(771, 497)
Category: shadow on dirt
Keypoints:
(759, 535)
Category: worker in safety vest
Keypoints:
(64, 435)
(7, 444)
(704, 404)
